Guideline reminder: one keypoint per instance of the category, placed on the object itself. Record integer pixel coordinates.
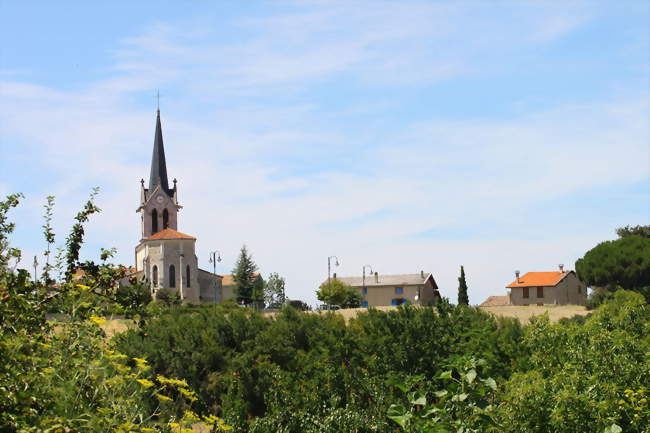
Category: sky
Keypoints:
(405, 135)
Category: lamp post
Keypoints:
(215, 256)
(35, 266)
(365, 289)
(329, 267)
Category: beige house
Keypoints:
(381, 290)
(543, 288)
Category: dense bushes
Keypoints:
(300, 372)
(296, 371)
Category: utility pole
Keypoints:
(365, 289)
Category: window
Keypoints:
(165, 219)
(172, 276)
(187, 276)
(397, 301)
(399, 290)
(154, 221)
(154, 275)
(364, 304)
(540, 292)
(525, 292)
(364, 290)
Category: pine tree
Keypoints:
(244, 276)
(462, 288)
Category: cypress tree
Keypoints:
(244, 276)
(462, 288)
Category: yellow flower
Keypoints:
(45, 345)
(97, 320)
(117, 356)
(146, 383)
(147, 430)
(190, 416)
(83, 287)
(140, 360)
(163, 379)
(174, 425)
(162, 397)
(48, 370)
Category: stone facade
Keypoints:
(165, 257)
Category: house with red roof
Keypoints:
(547, 288)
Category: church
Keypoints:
(165, 257)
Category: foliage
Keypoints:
(258, 292)
(643, 231)
(66, 378)
(336, 292)
(274, 295)
(75, 238)
(463, 299)
(48, 233)
(6, 228)
(298, 304)
(624, 262)
(464, 404)
(244, 276)
(584, 377)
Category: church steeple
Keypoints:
(158, 174)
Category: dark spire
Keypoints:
(158, 174)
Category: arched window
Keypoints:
(172, 276)
(165, 219)
(187, 276)
(154, 221)
(154, 275)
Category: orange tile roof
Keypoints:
(539, 279)
(169, 234)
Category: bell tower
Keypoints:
(158, 203)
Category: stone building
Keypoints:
(165, 257)
(382, 290)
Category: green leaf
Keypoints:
(399, 414)
(460, 397)
(441, 394)
(613, 429)
(420, 400)
(490, 382)
(445, 374)
(470, 376)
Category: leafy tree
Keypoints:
(244, 275)
(258, 292)
(6, 228)
(336, 292)
(75, 238)
(299, 304)
(623, 263)
(49, 239)
(274, 295)
(643, 231)
(463, 299)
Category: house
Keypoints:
(542, 288)
(228, 286)
(381, 290)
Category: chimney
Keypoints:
(517, 275)
(376, 277)
(335, 275)
(421, 274)
(561, 266)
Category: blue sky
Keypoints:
(407, 135)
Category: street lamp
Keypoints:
(215, 256)
(329, 267)
(364, 276)
(35, 266)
